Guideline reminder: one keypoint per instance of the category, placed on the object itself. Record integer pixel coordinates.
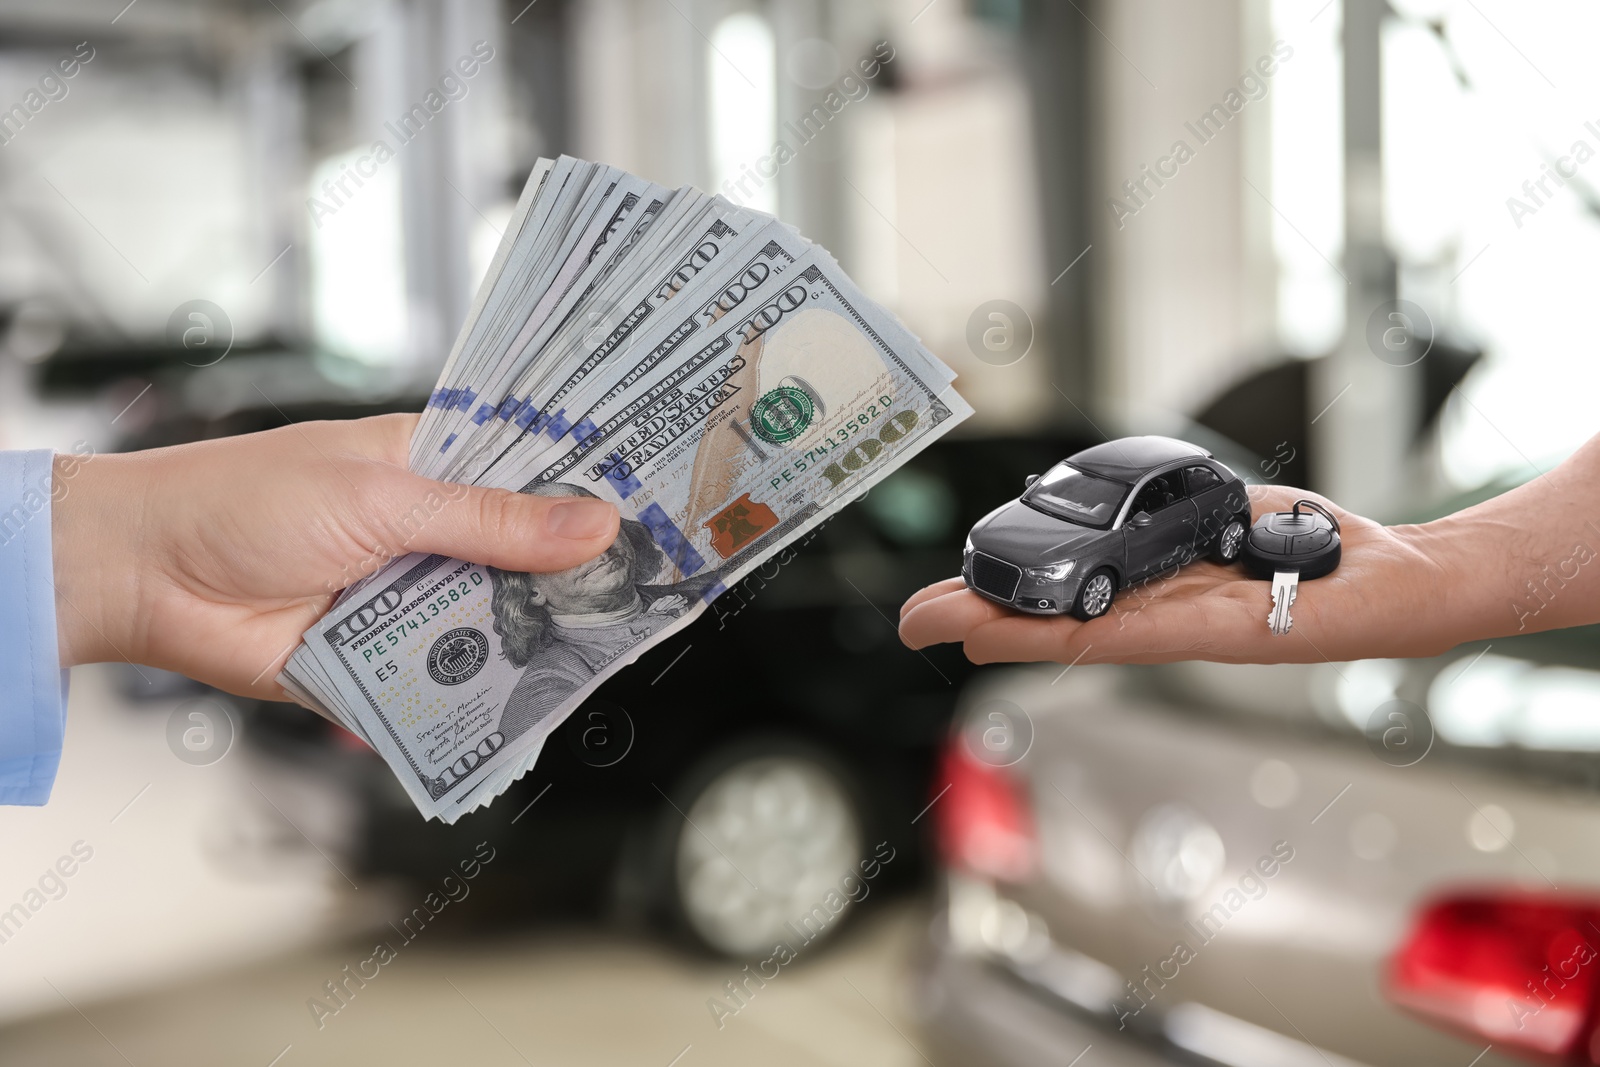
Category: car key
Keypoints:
(1290, 547)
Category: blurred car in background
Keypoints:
(1380, 862)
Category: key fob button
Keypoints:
(1314, 541)
(1270, 542)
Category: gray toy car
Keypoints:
(1103, 519)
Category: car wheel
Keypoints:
(1229, 542)
(1095, 598)
(765, 834)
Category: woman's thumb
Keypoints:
(511, 531)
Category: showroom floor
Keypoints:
(198, 933)
(570, 998)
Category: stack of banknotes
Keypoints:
(700, 365)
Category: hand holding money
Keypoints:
(211, 559)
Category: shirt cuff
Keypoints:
(33, 687)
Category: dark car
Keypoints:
(1110, 516)
(727, 781)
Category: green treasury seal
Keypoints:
(782, 414)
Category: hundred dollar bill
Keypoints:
(799, 404)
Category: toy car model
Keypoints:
(1103, 519)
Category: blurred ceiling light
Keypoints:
(1474, 705)
(1506, 701)
(1490, 828)
(1364, 686)
(1274, 784)
(358, 285)
(1423, 121)
(1307, 183)
(1561, 712)
(1178, 851)
(741, 75)
(330, 25)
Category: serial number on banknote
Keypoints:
(864, 450)
(392, 638)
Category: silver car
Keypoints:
(1381, 862)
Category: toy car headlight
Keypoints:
(1053, 573)
(968, 550)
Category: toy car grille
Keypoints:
(995, 576)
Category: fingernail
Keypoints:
(580, 520)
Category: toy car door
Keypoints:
(1167, 540)
(1209, 492)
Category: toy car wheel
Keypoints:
(1094, 599)
(1229, 542)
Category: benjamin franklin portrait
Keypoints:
(563, 628)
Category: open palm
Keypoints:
(1367, 607)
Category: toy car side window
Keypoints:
(1201, 478)
(1158, 492)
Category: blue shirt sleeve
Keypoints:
(33, 687)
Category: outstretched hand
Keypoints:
(213, 558)
(1379, 602)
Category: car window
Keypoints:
(1074, 495)
(1159, 492)
(1201, 478)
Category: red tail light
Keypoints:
(1517, 970)
(984, 824)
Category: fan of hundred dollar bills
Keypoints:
(700, 365)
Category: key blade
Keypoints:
(1278, 619)
(1285, 587)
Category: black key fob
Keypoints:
(1304, 541)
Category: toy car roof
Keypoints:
(1128, 458)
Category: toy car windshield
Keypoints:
(1071, 494)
